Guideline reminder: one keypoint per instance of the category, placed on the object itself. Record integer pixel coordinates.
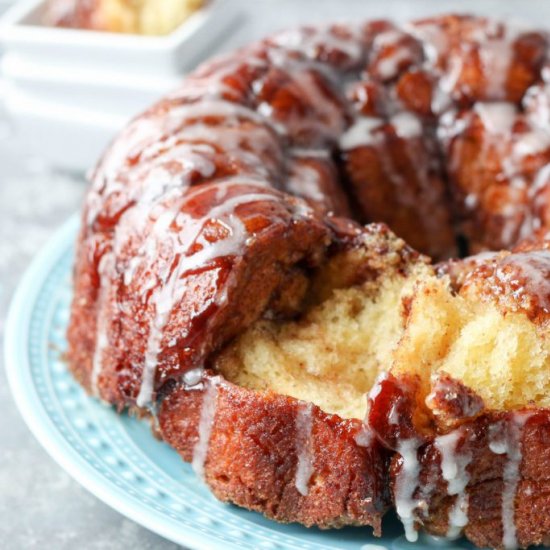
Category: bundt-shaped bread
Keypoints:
(153, 17)
(225, 284)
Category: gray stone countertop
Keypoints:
(40, 505)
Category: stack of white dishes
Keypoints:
(68, 91)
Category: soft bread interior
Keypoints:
(504, 358)
(333, 353)
(330, 357)
(408, 323)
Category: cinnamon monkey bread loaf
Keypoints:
(247, 271)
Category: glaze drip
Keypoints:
(406, 484)
(207, 416)
(506, 438)
(454, 464)
(304, 466)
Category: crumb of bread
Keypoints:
(332, 354)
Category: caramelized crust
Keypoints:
(497, 170)
(254, 449)
(482, 444)
(516, 280)
(244, 277)
(397, 179)
(487, 485)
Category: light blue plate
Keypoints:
(116, 457)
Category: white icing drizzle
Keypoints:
(155, 179)
(531, 143)
(388, 67)
(364, 436)
(450, 126)
(443, 92)
(160, 174)
(454, 466)
(406, 483)
(497, 118)
(176, 117)
(206, 421)
(536, 103)
(329, 120)
(496, 54)
(305, 181)
(304, 465)
(393, 416)
(328, 111)
(193, 377)
(495, 45)
(302, 152)
(541, 180)
(105, 268)
(309, 41)
(435, 42)
(167, 158)
(232, 140)
(168, 291)
(362, 132)
(407, 125)
(387, 38)
(506, 438)
(212, 86)
(377, 386)
(387, 64)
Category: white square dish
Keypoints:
(22, 34)
(79, 87)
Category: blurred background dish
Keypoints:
(153, 17)
(68, 91)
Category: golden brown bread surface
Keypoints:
(220, 276)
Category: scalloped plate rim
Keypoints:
(18, 374)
